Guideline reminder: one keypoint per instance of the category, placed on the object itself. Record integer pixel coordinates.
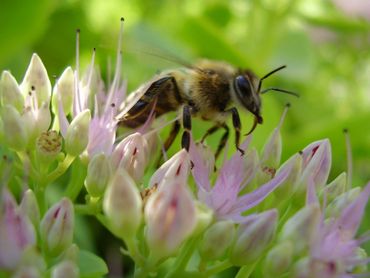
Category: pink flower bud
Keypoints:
(289, 185)
(56, 228)
(36, 120)
(302, 227)
(63, 90)
(65, 269)
(10, 92)
(177, 167)
(335, 188)
(123, 205)
(27, 272)
(132, 155)
(36, 78)
(336, 206)
(205, 217)
(253, 237)
(170, 212)
(98, 175)
(316, 163)
(271, 153)
(14, 129)
(30, 207)
(216, 240)
(16, 232)
(77, 134)
(279, 259)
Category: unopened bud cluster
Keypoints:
(257, 213)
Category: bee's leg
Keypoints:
(210, 131)
(237, 127)
(186, 122)
(171, 137)
(222, 143)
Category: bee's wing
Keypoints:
(145, 94)
(131, 100)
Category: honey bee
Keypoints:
(211, 90)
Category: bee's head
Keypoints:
(248, 91)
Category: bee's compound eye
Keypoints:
(243, 85)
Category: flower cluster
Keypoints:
(255, 213)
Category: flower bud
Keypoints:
(65, 269)
(32, 259)
(71, 253)
(27, 272)
(123, 205)
(15, 134)
(16, 233)
(216, 240)
(152, 140)
(36, 79)
(132, 155)
(64, 90)
(316, 163)
(279, 259)
(48, 146)
(36, 120)
(56, 228)
(303, 269)
(360, 256)
(176, 168)
(335, 188)
(289, 185)
(10, 92)
(98, 174)
(170, 212)
(335, 207)
(77, 136)
(301, 228)
(204, 216)
(30, 207)
(271, 154)
(253, 237)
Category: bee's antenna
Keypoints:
(279, 90)
(267, 75)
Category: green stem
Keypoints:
(217, 268)
(133, 249)
(26, 161)
(85, 209)
(40, 197)
(148, 267)
(183, 258)
(246, 271)
(60, 170)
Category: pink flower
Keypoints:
(89, 94)
(333, 251)
(236, 173)
(16, 232)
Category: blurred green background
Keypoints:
(325, 45)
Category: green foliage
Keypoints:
(90, 265)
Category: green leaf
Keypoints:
(90, 265)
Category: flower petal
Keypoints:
(254, 198)
(351, 217)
